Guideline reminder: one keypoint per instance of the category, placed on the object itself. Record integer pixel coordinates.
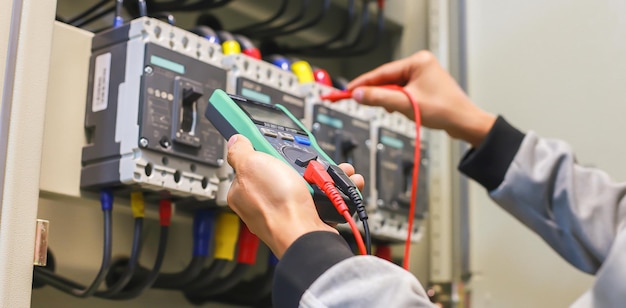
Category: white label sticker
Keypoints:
(101, 82)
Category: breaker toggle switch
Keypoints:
(185, 111)
(345, 145)
(404, 199)
(188, 115)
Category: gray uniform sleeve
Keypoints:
(319, 270)
(576, 210)
(365, 281)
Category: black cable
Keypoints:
(281, 10)
(182, 278)
(358, 38)
(183, 5)
(372, 44)
(255, 290)
(207, 276)
(314, 21)
(297, 17)
(220, 285)
(88, 11)
(76, 289)
(152, 276)
(143, 9)
(203, 5)
(110, 10)
(345, 29)
(133, 262)
(368, 236)
(354, 195)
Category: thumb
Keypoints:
(392, 100)
(239, 147)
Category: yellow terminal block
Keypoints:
(226, 234)
(137, 205)
(303, 70)
(231, 47)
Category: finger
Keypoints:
(232, 194)
(396, 72)
(391, 100)
(358, 180)
(347, 168)
(239, 147)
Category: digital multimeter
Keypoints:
(272, 129)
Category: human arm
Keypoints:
(316, 262)
(577, 210)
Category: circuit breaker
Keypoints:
(266, 83)
(148, 87)
(394, 173)
(342, 130)
(392, 166)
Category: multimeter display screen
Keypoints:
(269, 115)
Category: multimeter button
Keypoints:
(286, 136)
(302, 140)
(269, 132)
(298, 156)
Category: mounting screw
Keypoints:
(316, 126)
(380, 147)
(220, 162)
(143, 142)
(148, 69)
(165, 142)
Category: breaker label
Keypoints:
(101, 76)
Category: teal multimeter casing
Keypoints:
(272, 129)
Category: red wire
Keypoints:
(335, 197)
(357, 234)
(416, 168)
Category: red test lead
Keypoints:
(336, 96)
(345, 94)
(339, 95)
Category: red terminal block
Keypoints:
(383, 252)
(248, 245)
(322, 76)
(165, 212)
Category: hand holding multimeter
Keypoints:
(274, 131)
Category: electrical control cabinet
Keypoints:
(394, 173)
(148, 87)
(266, 83)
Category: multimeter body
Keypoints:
(272, 129)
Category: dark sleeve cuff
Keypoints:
(488, 163)
(304, 261)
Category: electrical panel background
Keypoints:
(55, 205)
